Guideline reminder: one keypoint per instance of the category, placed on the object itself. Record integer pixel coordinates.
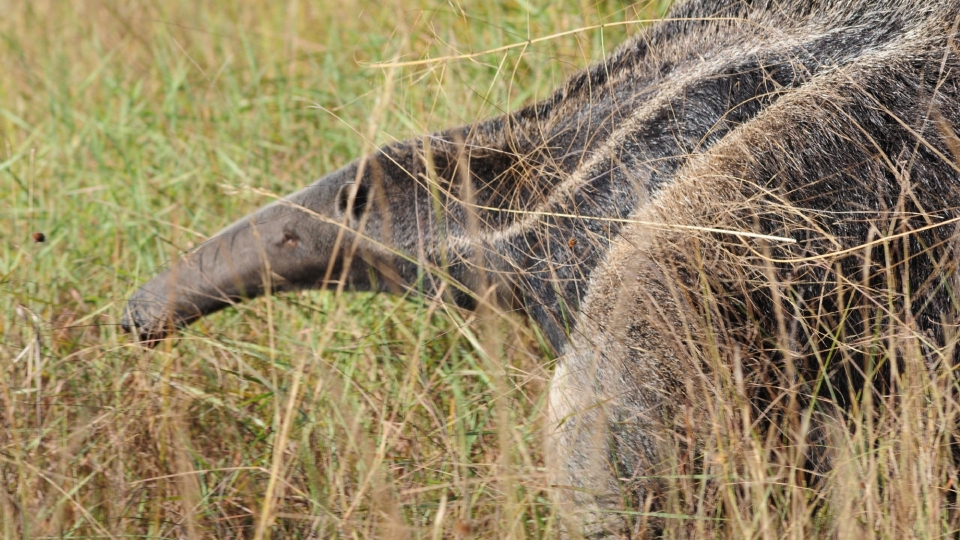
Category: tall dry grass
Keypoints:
(131, 130)
(778, 435)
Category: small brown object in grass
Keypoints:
(462, 529)
(39, 237)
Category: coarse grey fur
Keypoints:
(827, 122)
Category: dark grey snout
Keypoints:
(226, 269)
(287, 245)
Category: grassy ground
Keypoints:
(129, 131)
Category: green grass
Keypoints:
(130, 131)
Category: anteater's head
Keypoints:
(373, 225)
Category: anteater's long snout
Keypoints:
(287, 245)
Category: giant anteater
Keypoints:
(761, 189)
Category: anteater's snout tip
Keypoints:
(146, 321)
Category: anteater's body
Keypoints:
(612, 211)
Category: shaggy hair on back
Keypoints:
(845, 174)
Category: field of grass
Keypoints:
(132, 130)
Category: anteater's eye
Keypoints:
(290, 239)
(359, 202)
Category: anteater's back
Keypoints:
(624, 129)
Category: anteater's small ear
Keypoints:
(359, 201)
